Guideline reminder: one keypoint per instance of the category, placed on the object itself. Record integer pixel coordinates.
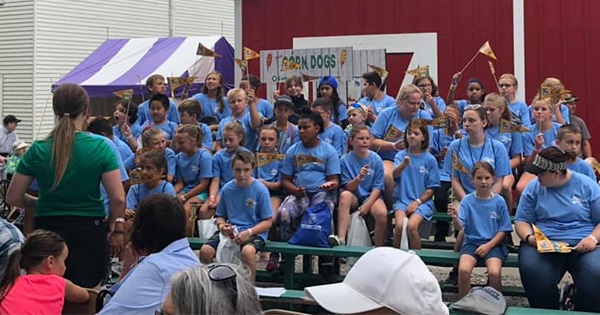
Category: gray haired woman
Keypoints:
(212, 289)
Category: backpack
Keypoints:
(315, 227)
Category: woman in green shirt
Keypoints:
(69, 166)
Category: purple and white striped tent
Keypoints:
(120, 64)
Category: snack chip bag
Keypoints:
(545, 245)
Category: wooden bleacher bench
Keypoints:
(441, 216)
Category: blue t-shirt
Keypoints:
(251, 205)
(136, 131)
(529, 138)
(287, 138)
(438, 101)
(265, 108)
(168, 127)
(207, 139)
(270, 169)
(311, 166)
(249, 132)
(210, 106)
(441, 140)
(192, 169)
(568, 212)
(564, 110)
(138, 192)
(221, 165)
(169, 156)
(520, 110)
(380, 105)
(124, 150)
(483, 218)
(491, 151)
(512, 141)
(122, 171)
(145, 116)
(389, 119)
(582, 167)
(421, 174)
(335, 136)
(342, 114)
(351, 165)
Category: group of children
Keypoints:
(379, 156)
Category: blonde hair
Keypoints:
(148, 135)
(500, 102)
(235, 92)
(408, 90)
(236, 127)
(510, 76)
(192, 131)
(68, 102)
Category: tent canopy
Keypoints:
(119, 64)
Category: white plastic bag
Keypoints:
(404, 241)
(207, 228)
(228, 251)
(358, 234)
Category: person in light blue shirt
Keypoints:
(159, 249)
(159, 106)
(264, 107)
(250, 120)
(432, 103)
(475, 93)
(190, 112)
(333, 134)
(362, 183)
(244, 206)
(310, 174)
(156, 85)
(416, 175)
(288, 132)
(101, 126)
(212, 98)
(154, 139)
(327, 88)
(126, 129)
(388, 131)
(509, 85)
(485, 221)
(152, 165)
(375, 97)
(564, 206)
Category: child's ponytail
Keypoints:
(13, 271)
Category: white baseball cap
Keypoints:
(383, 277)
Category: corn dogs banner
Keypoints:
(277, 65)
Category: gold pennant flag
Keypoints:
(550, 92)
(263, 158)
(441, 122)
(343, 57)
(288, 65)
(486, 49)
(420, 72)
(206, 52)
(545, 245)
(176, 82)
(457, 165)
(307, 78)
(139, 177)
(392, 134)
(243, 64)
(250, 54)
(507, 126)
(124, 94)
(594, 163)
(190, 80)
(382, 73)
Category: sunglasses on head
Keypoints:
(473, 106)
(222, 273)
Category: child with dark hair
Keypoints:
(332, 134)
(328, 89)
(262, 105)
(475, 92)
(159, 107)
(126, 128)
(156, 85)
(101, 126)
(375, 97)
(190, 112)
(293, 89)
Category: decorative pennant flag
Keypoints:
(263, 159)
(486, 49)
(206, 52)
(124, 94)
(382, 73)
(176, 82)
(457, 165)
(307, 78)
(288, 65)
(139, 177)
(250, 54)
(441, 122)
(545, 245)
(550, 92)
(420, 72)
(343, 57)
(594, 163)
(243, 64)
(269, 60)
(507, 126)
(392, 134)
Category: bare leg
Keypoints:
(379, 213)
(465, 268)
(412, 230)
(399, 216)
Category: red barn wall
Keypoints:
(561, 37)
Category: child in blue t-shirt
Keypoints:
(416, 175)
(154, 139)
(332, 134)
(431, 102)
(484, 218)
(159, 106)
(156, 85)
(288, 132)
(211, 98)
(265, 109)
(362, 187)
(247, 208)
(327, 88)
(268, 161)
(249, 119)
(233, 138)
(152, 165)
(194, 169)
(357, 116)
(190, 112)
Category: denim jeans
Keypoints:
(541, 273)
